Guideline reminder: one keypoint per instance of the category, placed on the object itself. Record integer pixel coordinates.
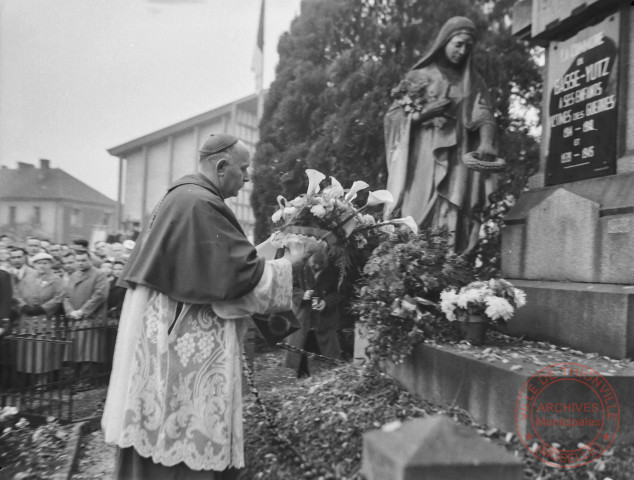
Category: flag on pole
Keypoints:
(258, 59)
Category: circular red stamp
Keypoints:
(567, 415)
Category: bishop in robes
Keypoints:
(174, 405)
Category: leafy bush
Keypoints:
(399, 291)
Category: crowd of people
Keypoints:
(54, 295)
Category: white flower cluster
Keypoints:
(332, 209)
(496, 299)
(332, 200)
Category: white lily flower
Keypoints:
(281, 201)
(335, 190)
(356, 186)
(378, 197)
(290, 211)
(298, 202)
(318, 210)
(277, 216)
(314, 178)
(408, 222)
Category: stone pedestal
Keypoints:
(590, 317)
(436, 448)
(575, 232)
(489, 391)
(571, 247)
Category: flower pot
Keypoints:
(474, 328)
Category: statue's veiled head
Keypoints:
(454, 42)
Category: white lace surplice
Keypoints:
(175, 390)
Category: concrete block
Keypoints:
(435, 447)
(558, 244)
(445, 376)
(617, 256)
(489, 391)
(514, 249)
(588, 317)
(561, 236)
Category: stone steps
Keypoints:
(587, 316)
(489, 388)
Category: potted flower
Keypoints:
(478, 303)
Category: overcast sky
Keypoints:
(80, 76)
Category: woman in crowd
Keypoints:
(39, 297)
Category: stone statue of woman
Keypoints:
(441, 112)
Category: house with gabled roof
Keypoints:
(50, 203)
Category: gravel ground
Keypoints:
(96, 458)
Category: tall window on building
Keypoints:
(37, 215)
(106, 218)
(12, 215)
(75, 217)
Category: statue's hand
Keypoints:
(487, 152)
(439, 122)
(432, 109)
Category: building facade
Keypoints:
(49, 203)
(149, 164)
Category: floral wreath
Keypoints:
(328, 217)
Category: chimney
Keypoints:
(25, 166)
(45, 164)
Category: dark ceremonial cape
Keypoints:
(193, 249)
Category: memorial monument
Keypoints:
(569, 240)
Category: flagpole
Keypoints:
(259, 78)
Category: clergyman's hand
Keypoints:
(296, 256)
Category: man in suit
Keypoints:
(6, 298)
(85, 304)
(7, 316)
(18, 261)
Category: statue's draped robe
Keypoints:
(426, 174)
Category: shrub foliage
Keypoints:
(400, 289)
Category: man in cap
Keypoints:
(174, 404)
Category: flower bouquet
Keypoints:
(480, 302)
(413, 98)
(328, 216)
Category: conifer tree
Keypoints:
(337, 66)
